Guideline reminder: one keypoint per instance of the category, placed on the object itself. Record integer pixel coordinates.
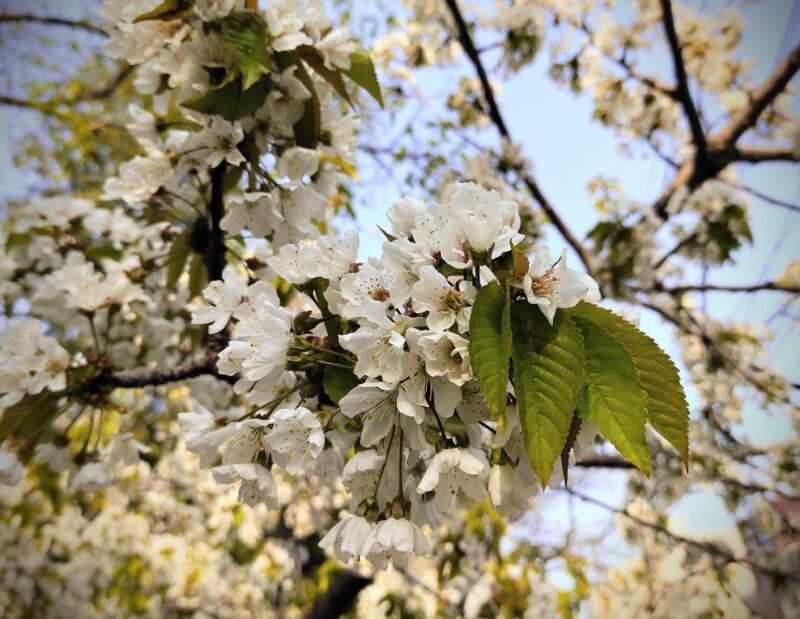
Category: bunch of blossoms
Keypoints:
(390, 342)
(195, 53)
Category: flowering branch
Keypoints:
(776, 286)
(496, 116)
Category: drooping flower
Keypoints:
(447, 354)
(394, 540)
(256, 483)
(453, 471)
(347, 537)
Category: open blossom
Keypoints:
(29, 361)
(125, 449)
(364, 294)
(223, 297)
(296, 438)
(552, 286)
(256, 211)
(483, 219)
(447, 354)
(451, 471)
(445, 304)
(393, 541)
(217, 142)
(138, 179)
(205, 431)
(377, 403)
(379, 349)
(347, 537)
(511, 487)
(327, 257)
(90, 290)
(260, 340)
(297, 162)
(285, 101)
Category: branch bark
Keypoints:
(497, 119)
(776, 286)
(765, 94)
(684, 96)
(339, 597)
(52, 21)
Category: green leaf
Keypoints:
(106, 250)
(611, 396)
(547, 374)
(314, 60)
(332, 322)
(230, 100)
(28, 415)
(307, 129)
(176, 260)
(572, 435)
(338, 382)
(490, 346)
(362, 72)
(667, 410)
(197, 276)
(245, 34)
(167, 10)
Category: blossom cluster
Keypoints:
(396, 330)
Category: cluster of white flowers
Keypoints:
(30, 361)
(425, 436)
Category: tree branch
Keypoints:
(214, 251)
(339, 597)
(604, 462)
(759, 154)
(765, 94)
(206, 365)
(52, 21)
(707, 547)
(684, 96)
(761, 196)
(776, 286)
(496, 117)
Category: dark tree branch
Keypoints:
(496, 117)
(214, 251)
(762, 196)
(339, 597)
(22, 103)
(206, 365)
(759, 154)
(776, 286)
(712, 549)
(604, 462)
(684, 96)
(765, 94)
(52, 21)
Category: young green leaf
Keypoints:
(245, 34)
(314, 60)
(667, 410)
(362, 72)
(167, 10)
(230, 100)
(547, 374)
(307, 129)
(612, 396)
(27, 415)
(490, 346)
(197, 276)
(176, 259)
(338, 382)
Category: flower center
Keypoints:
(544, 285)
(453, 301)
(379, 294)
